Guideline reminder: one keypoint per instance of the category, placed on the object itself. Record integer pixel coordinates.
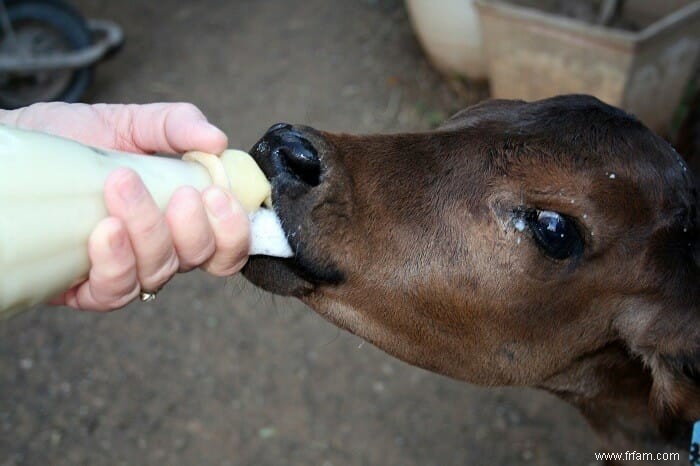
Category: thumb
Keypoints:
(163, 127)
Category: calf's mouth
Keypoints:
(290, 158)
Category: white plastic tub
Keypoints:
(450, 34)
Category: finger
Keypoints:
(231, 228)
(192, 235)
(127, 198)
(162, 127)
(112, 282)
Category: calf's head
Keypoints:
(502, 248)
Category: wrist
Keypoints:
(12, 117)
(23, 117)
(7, 117)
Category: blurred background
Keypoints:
(216, 372)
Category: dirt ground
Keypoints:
(216, 372)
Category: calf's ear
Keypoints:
(667, 340)
(663, 328)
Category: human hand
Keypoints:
(138, 247)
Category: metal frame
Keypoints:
(109, 35)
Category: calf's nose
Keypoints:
(291, 152)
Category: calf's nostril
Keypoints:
(278, 127)
(292, 153)
(300, 158)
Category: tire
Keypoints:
(62, 26)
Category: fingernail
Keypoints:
(131, 189)
(205, 125)
(214, 131)
(212, 138)
(218, 204)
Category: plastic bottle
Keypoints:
(51, 198)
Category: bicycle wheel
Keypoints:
(43, 27)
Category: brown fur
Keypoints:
(408, 241)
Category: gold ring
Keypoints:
(148, 296)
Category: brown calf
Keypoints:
(551, 244)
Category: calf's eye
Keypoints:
(555, 234)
